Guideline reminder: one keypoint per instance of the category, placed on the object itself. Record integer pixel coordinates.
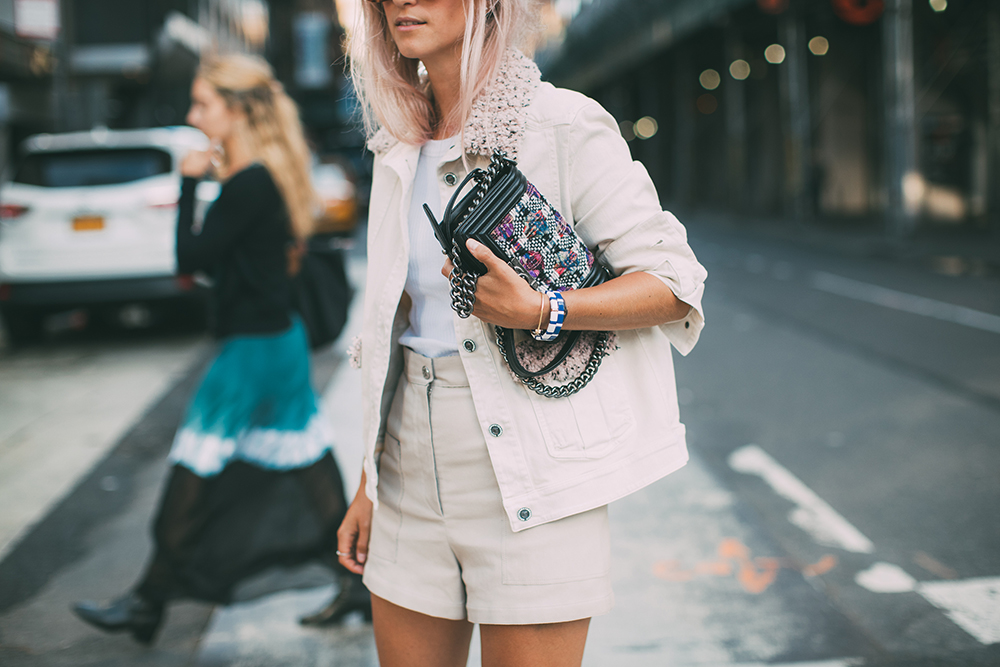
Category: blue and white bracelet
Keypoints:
(557, 313)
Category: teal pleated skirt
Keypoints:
(255, 404)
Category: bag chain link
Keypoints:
(562, 391)
(463, 283)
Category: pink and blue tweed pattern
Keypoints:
(543, 243)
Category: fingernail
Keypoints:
(362, 557)
(473, 244)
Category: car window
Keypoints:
(105, 166)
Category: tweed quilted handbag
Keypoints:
(507, 214)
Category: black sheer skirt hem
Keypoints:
(212, 533)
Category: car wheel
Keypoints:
(23, 326)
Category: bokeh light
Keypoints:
(740, 70)
(707, 104)
(819, 46)
(939, 5)
(646, 127)
(710, 79)
(627, 129)
(775, 54)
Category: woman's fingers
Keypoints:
(352, 536)
(501, 294)
(347, 539)
(364, 531)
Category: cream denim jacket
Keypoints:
(552, 457)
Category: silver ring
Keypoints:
(341, 553)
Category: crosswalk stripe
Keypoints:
(812, 514)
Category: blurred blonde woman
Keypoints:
(253, 482)
(483, 502)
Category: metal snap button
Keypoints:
(450, 178)
(469, 345)
(524, 514)
(427, 372)
(496, 430)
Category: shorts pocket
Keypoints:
(387, 519)
(575, 548)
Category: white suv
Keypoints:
(88, 220)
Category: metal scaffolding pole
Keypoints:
(993, 127)
(736, 125)
(684, 111)
(903, 178)
(798, 142)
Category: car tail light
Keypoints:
(12, 211)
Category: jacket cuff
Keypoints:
(684, 333)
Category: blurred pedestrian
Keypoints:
(483, 502)
(253, 482)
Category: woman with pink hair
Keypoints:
(482, 501)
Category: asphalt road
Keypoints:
(840, 505)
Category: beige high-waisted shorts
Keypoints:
(441, 543)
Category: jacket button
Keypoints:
(687, 325)
(524, 514)
(496, 430)
(450, 178)
(469, 345)
(426, 372)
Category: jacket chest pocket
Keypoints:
(591, 423)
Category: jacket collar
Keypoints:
(497, 120)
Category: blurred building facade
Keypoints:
(70, 65)
(881, 112)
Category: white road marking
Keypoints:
(812, 514)
(972, 604)
(909, 303)
(886, 578)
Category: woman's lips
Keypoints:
(408, 24)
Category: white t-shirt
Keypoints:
(432, 330)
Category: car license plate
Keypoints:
(88, 223)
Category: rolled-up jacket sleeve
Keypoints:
(616, 210)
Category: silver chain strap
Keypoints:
(463, 287)
(562, 391)
(463, 283)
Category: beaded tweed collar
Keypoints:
(498, 118)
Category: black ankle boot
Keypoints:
(353, 596)
(128, 613)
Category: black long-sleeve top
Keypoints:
(243, 245)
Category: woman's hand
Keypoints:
(352, 536)
(196, 164)
(503, 298)
(631, 301)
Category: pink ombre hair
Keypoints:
(391, 90)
